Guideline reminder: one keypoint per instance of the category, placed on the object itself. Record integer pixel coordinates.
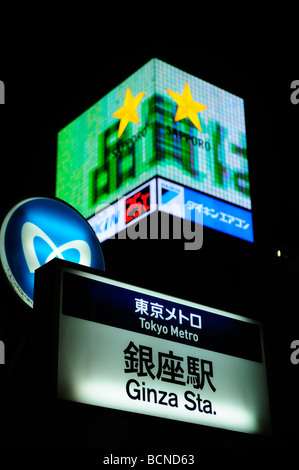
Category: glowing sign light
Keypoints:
(39, 229)
(112, 149)
(155, 354)
(124, 213)
(173, 199)
(218, 215)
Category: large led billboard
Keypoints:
(159, 122)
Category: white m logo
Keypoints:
(30, 231)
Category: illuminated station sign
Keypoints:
(132, 349)
(164, 126)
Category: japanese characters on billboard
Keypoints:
(200, 208)
(171, 198)
(159, 122)
(154, 354)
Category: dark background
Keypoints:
(43, 94)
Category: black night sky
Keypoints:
(43, 94)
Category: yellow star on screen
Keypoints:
(127, 113)
(186, 106)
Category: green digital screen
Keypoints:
(95, 166)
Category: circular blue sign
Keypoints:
(39, 229)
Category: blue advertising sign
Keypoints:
(218, 215)
(39, 229)
(204, 210)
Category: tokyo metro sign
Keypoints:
(39, 229)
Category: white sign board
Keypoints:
(136, 350)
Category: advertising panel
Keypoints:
(200, 208)
(128, 210)
(136, 350)
(172, 198)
